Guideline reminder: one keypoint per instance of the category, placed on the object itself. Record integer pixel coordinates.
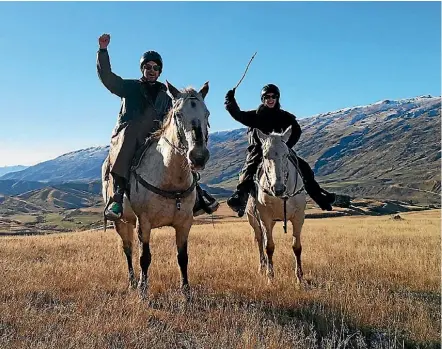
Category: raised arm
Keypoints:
(111, 81)
(247, 118)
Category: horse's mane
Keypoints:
(273, 133)
(191, 92)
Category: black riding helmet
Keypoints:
(269, 88)
(151, 56)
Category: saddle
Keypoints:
(139, 153)
(136, 160)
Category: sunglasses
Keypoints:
(154, 67)
(271, 97)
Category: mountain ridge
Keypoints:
(386, 147)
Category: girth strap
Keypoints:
(177, 195)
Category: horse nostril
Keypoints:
(199, 157)
(206, 155)
(279, 190)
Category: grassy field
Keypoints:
(46, 223)
(371, 282)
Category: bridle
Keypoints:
(285, 195)
(182, 147)
(267, 189)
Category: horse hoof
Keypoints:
(299, 277)
(142, 291)
(143, 295)
(132, 285)
(185, 290)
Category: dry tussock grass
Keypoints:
(372, 282)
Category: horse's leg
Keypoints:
(259, 230)
(182, 234)
(259, 237)
(270, 248)
(297, 250)
(297, 223)
(126, 230)
(144, 229)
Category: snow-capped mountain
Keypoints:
(80, 165)
(378, 149)
(8, 169)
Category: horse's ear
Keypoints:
(172, 90)
(287, 133)
(261, 135)
(204, 90)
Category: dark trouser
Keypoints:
(253, 160)
(307, 173)
(128, 139)
(120, 186)
(124, 144)
(323, 198)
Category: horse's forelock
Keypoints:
(274, 136)
(187, 92)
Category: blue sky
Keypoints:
(323, 55)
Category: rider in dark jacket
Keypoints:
(144, 104)
(269, 117)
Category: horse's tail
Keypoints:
(105, 188)
(105, 222)
(107, 203)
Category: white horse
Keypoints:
(279, 196)
(162, 186)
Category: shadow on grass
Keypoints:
(332, 328)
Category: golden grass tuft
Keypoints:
(371, 282)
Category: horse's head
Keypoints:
(275, 160)
(192, 121)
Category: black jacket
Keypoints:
(266, 120)
(138, 99)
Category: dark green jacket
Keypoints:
(136, 102)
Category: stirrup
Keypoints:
(111, 215)
(239, 209)
(206, 208)
(213, 206)
(241, 212)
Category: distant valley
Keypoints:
(389, 150)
